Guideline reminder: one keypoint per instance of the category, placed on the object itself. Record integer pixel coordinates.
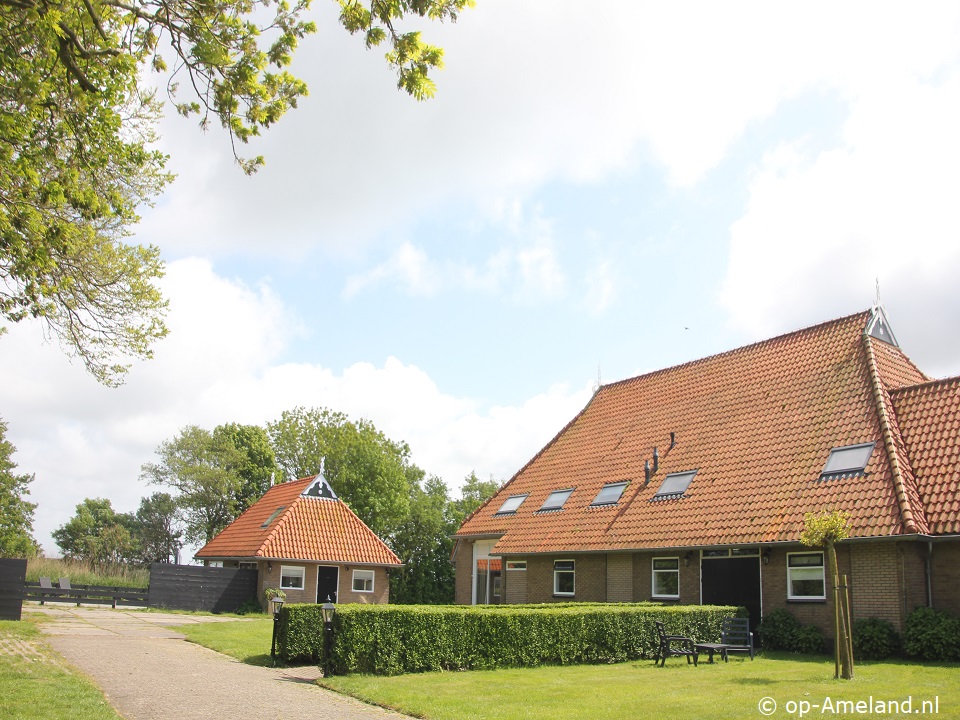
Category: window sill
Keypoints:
(664, 598)
(807, 601)
(565, 596)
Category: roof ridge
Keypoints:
(742, 348)
(890, 432)
(920, 387)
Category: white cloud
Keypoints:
(821, 228)
(220, 365)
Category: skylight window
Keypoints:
(511, 504)
(556, 499)
(609, 494)
(847, 460)
(675, 484)
(272, 517)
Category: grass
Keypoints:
(247, 641)
(82, 573)
(641, 691)
(35, 685)
(634, 690)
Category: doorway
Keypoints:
(328, 579)
(731, 580)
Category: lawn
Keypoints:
(248, 641)
(36, 685)
(633, 690)
(800, 686)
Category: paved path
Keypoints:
(149, 672)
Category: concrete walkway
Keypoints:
(149, 672)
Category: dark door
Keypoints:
(732, 581)
(327, 578)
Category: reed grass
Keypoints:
(84, 573)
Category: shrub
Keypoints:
(780, 630)
(250, 606)
(875, 639)
(393, 639)
(932, 635)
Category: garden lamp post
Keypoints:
(328, 609)
(277, 604)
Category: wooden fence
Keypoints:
(175, 587)
(89, 594)
(192, 587)
(12, 574)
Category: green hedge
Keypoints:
(394, 639)
(932, 635)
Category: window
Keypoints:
(556, 499)
(563, 577)
(247, 565)
(516, 564)
(666, 577)
(291, 578)
(609, 494)
(805, 579)
(272, 517)
(848, 460)
(363, 581)
(511, 504)
(675, 484)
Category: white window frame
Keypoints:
(364, 576)
(563, 571)
(291, 571)
(654, 571)
(516, 565)
(808, 568)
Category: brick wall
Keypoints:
(945, 576)
(773, 578)
(514, 584)
(271, 579)
(590, 581)
(875, 582)
(619, 577)
(643, 577)
(463, 575)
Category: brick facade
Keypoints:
(886, 580)
(270, 578)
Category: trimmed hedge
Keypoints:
(932, 635)
(395, 639)
(780, 630)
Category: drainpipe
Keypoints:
(929, 569)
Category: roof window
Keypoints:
(609, 494)
(272, 517)
(556, 499)
(511, 504)
(847, 460)
(675, 485)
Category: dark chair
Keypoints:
(45, 584)
(674, 646)
(735, 634)
(65, 588)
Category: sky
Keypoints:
(597, 191)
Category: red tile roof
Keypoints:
(307, 528)
(758, 424)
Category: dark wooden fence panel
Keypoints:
(88, 595)
(191, 587)
(13, 573)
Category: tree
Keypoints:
(77, 118)
(825, 530)
(366, 469)
(97, 534)
(203, 470)
(474, 493)
(258, 466)
(423, 543)
(159, 529)
(16, 513)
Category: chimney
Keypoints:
(646, 472)
(656, 461)
(673, 440)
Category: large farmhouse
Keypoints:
(691, 484)
(306, 541)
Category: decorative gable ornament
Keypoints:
(320, 488)
(879, 327)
